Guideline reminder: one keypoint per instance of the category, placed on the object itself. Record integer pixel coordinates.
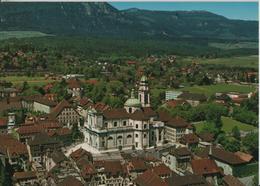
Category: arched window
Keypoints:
(136, 126)
(129, 136)
(145, 126)
(110, 138)
(115, 124)
(119, 137)
(130, 110)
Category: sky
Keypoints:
(232, 10)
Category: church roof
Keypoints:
(132, 101)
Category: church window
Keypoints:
(136, 126)
(144, 135)
(145, 126)
(115, 124)
(124, 123)
(130, 110)
(136, 135)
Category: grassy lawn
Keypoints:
(18, 80)
(228, 46)
(228, 125)
(242, 61)
(212, 89)
(20, 34)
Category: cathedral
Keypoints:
(136, 126)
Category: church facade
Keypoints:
(135, 126)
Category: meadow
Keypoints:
(228, 125)
(20, 34)
(33, 81)
(209, 90)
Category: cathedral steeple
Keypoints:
(143, 92)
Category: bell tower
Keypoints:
(143, 92)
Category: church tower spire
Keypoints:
(143, 92)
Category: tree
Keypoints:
(256, 180)
(236, 132)
(232, 145)
(250, 144)
(76, 134)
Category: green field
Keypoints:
(243, 61)
(20, 34)
(212, 89)
(232, 45)
(228, 125)
(33, 81)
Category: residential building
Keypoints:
(206, 168)
(65, 113)
(178, 159)
(3, 125)
(193, 99)
(25, 178)
(13, 152)
(74, 87)
(40, 145)
(172, 95)
(176, 128)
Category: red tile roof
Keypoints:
(73, 83)
(149, 178)
(3, 122)
(25, 175)
(92, 81)
(162, 170)
(204, 167)
(222, 156)
(232, 181)
(76, 155)
(189, 139)
(136, 164)
(70, 181)
(177, 122)
(101, 107)
(206, 136)
(118, 113)
(11, 146)
(174, 103)
(244, 156)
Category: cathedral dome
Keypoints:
(132, 101)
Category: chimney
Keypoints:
(210, 149)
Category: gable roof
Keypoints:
(42, 139)
(139, 115)
(177, 122)
(59, 108)
(204, 167)
(58, 157)
(71, 181)
(181, 151)
(221, 155)
(12, 147)
(25, 175)
(150, 178)
(189, 139)
(118, 113)
(232, 181)
(187, 180)
(206, 136)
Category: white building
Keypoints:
(134, 126)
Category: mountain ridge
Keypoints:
(102, 19)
